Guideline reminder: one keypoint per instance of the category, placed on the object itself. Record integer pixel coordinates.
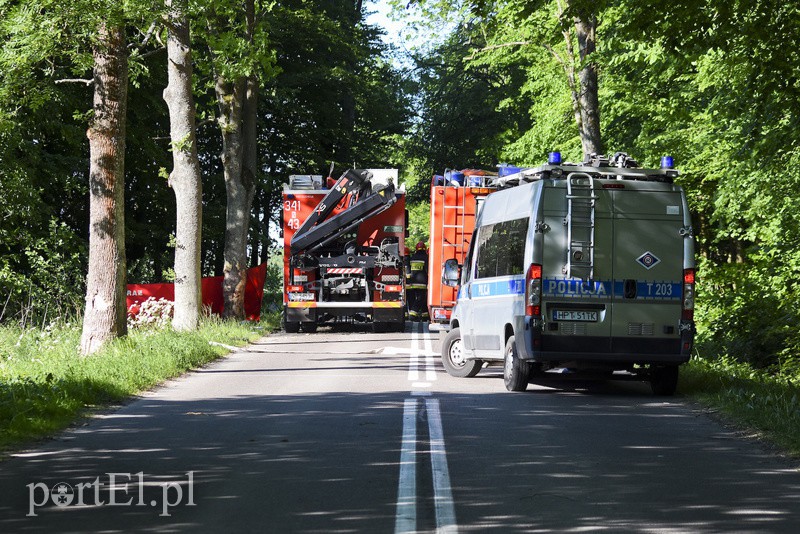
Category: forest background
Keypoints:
(714, 84)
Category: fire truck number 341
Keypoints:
(292, 206)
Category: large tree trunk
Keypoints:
(185, 178)
(105, 314)
(230, 98)
(237, 105)
(589, 103)
(250, 148)
(582, 83)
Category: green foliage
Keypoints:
(712, 84)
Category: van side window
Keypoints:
(500, 248)
(466, 269)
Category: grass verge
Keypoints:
(754, 400)
(45, 385)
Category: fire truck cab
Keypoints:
(577, 268)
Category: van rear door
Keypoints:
(577, 311)
(647, 268)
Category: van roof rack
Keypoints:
(620, 166)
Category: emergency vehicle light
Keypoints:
(667, 162)
(554, 158)
(294, 289)
(480, 190)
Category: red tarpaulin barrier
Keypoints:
(211, 291)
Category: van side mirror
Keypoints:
(451, 273)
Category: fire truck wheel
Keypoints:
(378, 327)
(515, 371)
(453, 357)
(291, 327)
(310, 327)
(664, 380)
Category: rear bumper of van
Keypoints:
(616, 350)
(547, 348)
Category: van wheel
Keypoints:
(453, 357)
(664, 380)
(515, 371)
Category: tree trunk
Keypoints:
(105, 314)
(255, 237)
(586, 28)
(185, 178)
(250, 147)
(237, 105)
(230, 98)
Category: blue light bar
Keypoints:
(667, 162)
(554, 158)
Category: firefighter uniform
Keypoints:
(417, 286)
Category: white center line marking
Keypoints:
(413, 358)
(406, 516)
(442, 492)
(430, 368)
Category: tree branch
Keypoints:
(502, 45)
(556, 55)
(151, 52)
(88, 82)
(147, 37)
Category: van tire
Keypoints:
(515, 371)
(664, 380)
(453, 357)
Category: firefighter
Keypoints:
(407, 275)
(417, 288)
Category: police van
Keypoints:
(577, 268)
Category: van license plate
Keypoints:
(575, 315)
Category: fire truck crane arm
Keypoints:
(310, 238)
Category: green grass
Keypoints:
(45, 385)
(758, 401)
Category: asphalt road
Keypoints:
(360, 432)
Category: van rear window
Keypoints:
(501, 248)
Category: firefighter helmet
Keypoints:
(421, 246)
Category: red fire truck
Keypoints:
(344, 250)
(455, 198)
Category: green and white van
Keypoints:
(581, 268)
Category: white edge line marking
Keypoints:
(442, 492)
(406, 515)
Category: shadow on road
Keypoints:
(552, 459)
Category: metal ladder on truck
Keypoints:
(458, 246)
(580, 226)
